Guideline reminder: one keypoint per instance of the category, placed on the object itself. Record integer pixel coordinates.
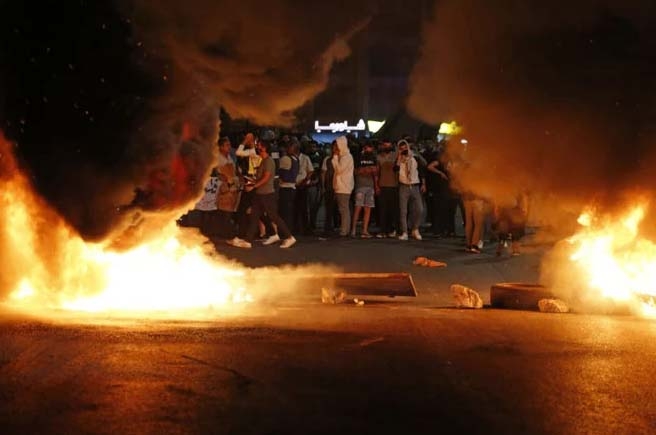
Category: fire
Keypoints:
(614, 261)
(161, 276)
(48, 268)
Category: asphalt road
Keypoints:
(394, 366)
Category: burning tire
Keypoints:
(518, 296)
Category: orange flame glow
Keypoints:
(47, 266)
(614, 261)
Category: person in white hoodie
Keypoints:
(343, 183)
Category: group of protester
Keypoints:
(266, 190)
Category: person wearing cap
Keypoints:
(412, 185)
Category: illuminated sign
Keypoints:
(374, 126)
(450, 128)
(339, 127)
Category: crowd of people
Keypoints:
(267, 190)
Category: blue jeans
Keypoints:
(412, 195)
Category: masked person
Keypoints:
(411, 187)
(343, 182)
(264, 201)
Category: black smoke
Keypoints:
(555, 97)
(113, 105)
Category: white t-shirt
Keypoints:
(305, 167)
(208, 200)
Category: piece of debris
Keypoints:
(427, 262)
(466, 297)
(329, 296)
(553, 306)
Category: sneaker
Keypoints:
(381, 235)
(392, 234)
(474, 249)
(288, 243)
(366, 236)
(403, 236)
(480, 244)
(416, 235)
(239, 243)
(271, 240)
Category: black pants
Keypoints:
(266, 204)
(226, 228)
(314, 203)
(286, 197)
(389, 209)
(301, 215)
(244, 218)
(331, 209)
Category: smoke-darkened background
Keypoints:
(114, 104)
(555, 97)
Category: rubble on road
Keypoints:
(329, 296)
(553, 306)
(427, 262)
(466, 297)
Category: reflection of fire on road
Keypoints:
(607, 263)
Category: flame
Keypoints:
(614, 261)
(48, 268)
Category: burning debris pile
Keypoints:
(608, 265)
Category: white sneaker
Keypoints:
(416, 235)
(392, 234)
(271, 240)
(239, 243)
(480, 244)
(288, 243)
(403, 236)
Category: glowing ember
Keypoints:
(615, 261)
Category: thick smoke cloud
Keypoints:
(114, 105)
(556, 97)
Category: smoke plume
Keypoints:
(555, 97)
(114, 105)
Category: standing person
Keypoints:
(303, 181)
(437, 180)
(510, 223)
(248, 161)
(388, 199)
(474, 222)
(366, 187)
(327, 179)
(229, 190)
(314, 189)
(264, 201)
(247, 156)
(287, 173)
(411, 187)
(343, 183)
(206, 206)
